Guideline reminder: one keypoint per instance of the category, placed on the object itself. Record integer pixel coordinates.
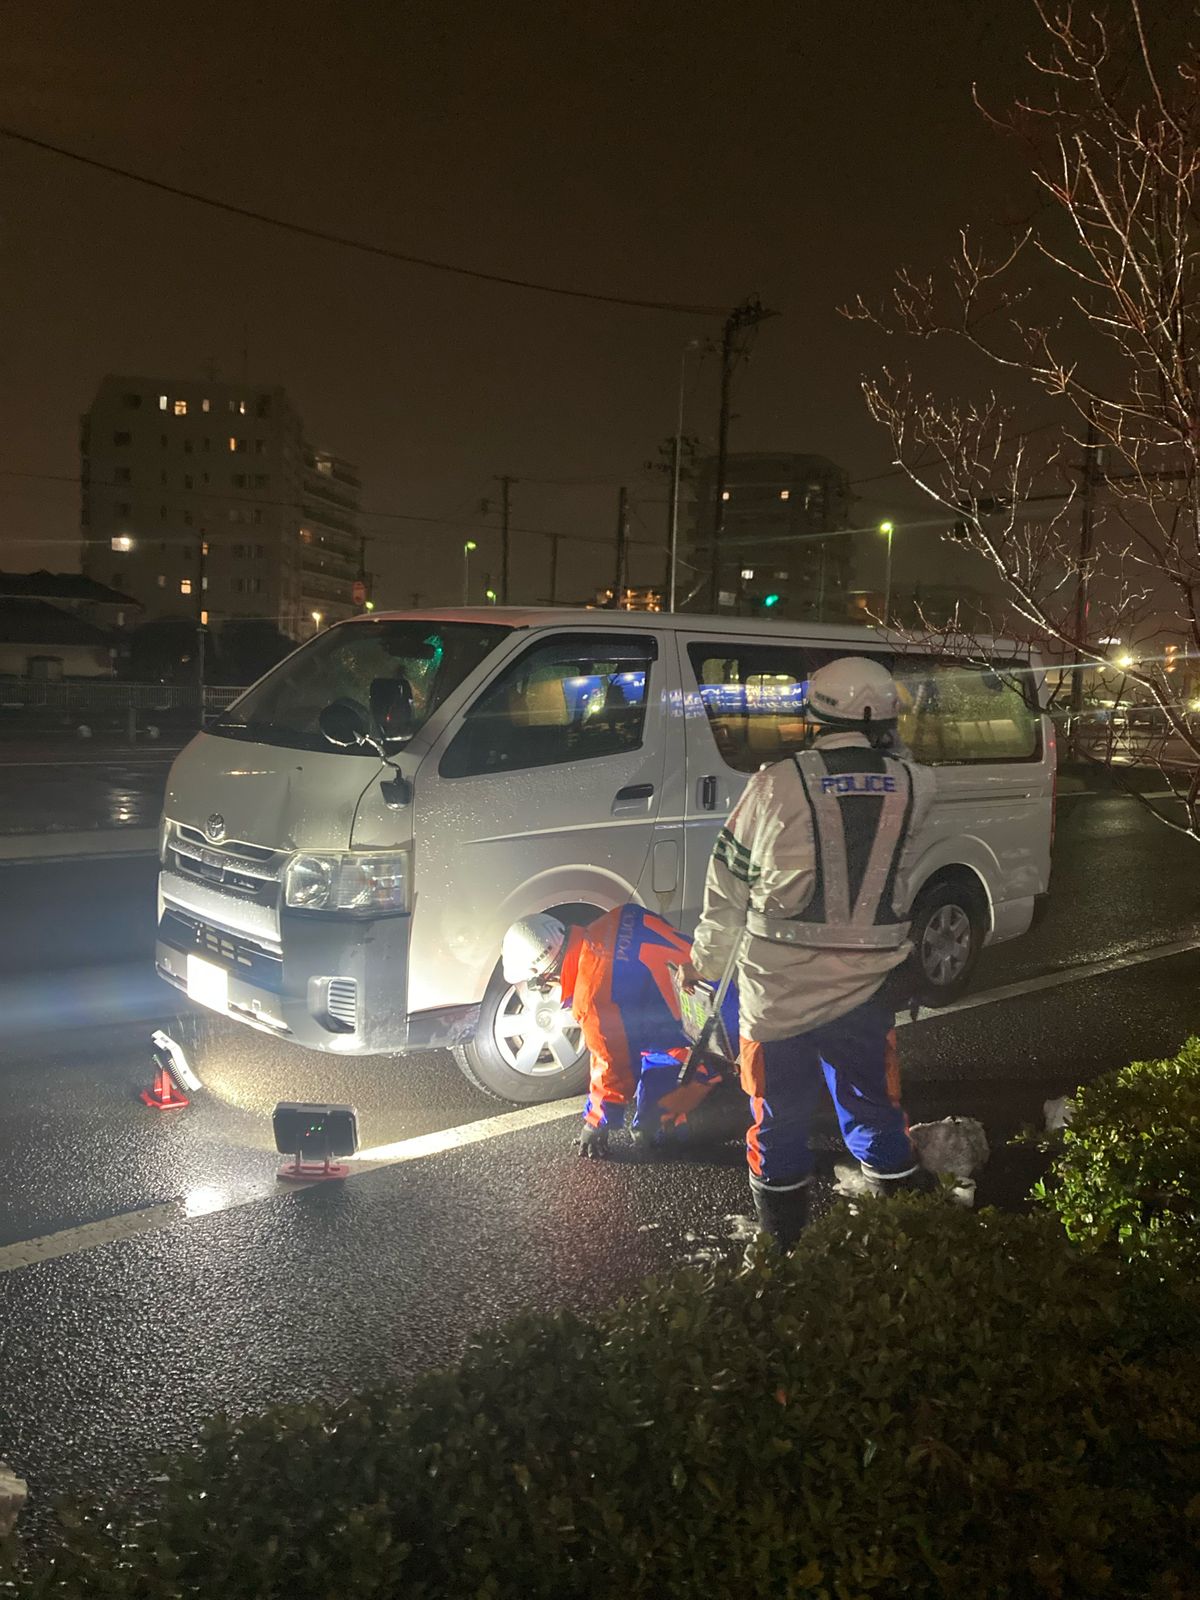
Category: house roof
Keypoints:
(43, 585)
(38, 622)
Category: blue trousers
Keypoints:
(855, 1058)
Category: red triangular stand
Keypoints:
(163, 1095)
(298, 1171)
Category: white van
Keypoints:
(542, 760)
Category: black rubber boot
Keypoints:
(781, 1213)
(918, 1182)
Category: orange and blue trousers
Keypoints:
(855, 1059)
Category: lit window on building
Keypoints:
(163, 402)
(306, 536)
(185, 586)
(204, 619)
(724, 494)
(162, 580)
(205, 405)
(122, 542)
(785, 494)
(236, 444)
(181, 408)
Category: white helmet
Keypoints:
(854, 694)
(531, 947)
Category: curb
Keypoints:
(19, 848)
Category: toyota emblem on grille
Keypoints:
(215, 827)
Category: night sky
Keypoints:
(691, 152)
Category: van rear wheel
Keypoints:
(949, 925)
(527, 1049)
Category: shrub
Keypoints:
(921, 1401)
(1128, 1170)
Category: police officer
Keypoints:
(616, 975)
(810, 878)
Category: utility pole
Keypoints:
(1091, 463)
(735, 338)
(676, 464)
(621, 576)
(505, 485)
(201, 613)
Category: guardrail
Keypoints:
(127, 706)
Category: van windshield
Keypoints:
(349, 662)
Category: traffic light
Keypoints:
(770, 600)
(764, 604)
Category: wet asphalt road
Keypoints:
(67, 784)
(115, 1351)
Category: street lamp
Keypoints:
(490, 596)
(467, 548)
(318, 618)
(887, 528)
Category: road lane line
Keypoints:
(432, 1144)
(1053, 980)
(209, 1201)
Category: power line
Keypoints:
(346, 242)
(299, 506)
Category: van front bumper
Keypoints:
(332, 984)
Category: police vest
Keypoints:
(861, 804)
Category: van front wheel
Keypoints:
(949, 925)
(527, 1048)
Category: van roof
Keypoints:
(686, 621)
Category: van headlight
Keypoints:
(351, 882)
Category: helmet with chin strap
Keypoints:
(853, 695)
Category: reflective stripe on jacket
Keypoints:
(779, 864)
(860, 802)
(616, 978)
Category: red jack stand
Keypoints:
(163, 1095)
(300, 1171)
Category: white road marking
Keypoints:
(1053, 980)
(151, 1219)
(432, 1144)
(208, 1201)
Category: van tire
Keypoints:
(949, 926)
(482, 1060)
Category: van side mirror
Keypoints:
(345, 723)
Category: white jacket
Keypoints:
(765, 862)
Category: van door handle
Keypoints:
(708, 793)
(634, 791)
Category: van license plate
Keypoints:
(207, 983)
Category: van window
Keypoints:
(571, 698)
(953, 712)
(753, 695)
(351, 661)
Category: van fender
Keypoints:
(965, 852)
(576, 889)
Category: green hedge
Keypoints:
(1128, 1170)
(921, 1401)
